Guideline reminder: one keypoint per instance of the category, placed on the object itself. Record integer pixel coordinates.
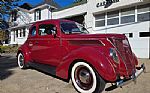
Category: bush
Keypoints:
(8, 49)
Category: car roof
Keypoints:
(54, 20)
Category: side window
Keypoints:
(47, 29)
(33, 31)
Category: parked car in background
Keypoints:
(65, 48)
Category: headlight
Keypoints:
(113, 55)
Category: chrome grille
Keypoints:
(125, 53)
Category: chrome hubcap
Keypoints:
(83, 78)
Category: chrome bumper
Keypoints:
(134, 76)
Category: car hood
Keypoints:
(92, 36)
(90, 39)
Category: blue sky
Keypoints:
(62, 3)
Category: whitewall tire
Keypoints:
(85, 79)
(21, 61)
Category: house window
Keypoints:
(16, 33)
(100, 20)
(37, 15)
(144, 34)
(24, 32)
(143, 13)
(20, 33)
(128, 15)
(113, 17)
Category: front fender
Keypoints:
(93, 57)
(24, 49)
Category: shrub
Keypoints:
(8, 49)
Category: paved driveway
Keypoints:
(15, 80)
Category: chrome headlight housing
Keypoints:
(113, 55)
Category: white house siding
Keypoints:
(32, 17)
(77, 10)
(23, 22)
(21, 27)
(20, 39)
(12, 37)
(45, 14)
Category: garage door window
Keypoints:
(143, 13)
(123, 16)
(128, 15)
(100, 20)
(113, 17)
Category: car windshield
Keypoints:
(73, 28)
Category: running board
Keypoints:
(47, 69)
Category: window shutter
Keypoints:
(39, 14)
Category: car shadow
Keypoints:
(110, 88)
(49, 74)
(7, 63)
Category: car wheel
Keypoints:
(21, 61)
(85, 79)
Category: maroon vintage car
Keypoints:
(65, 49)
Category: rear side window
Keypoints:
(47, 29)
(33, 31)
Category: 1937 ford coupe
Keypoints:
(65, 49)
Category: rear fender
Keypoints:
(93, 57)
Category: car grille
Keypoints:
(125, 52)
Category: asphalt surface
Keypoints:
(15, 80)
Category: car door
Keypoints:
(32, 42)
(49, 50)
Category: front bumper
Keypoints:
(134, 76)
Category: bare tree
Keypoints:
(6, 6)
